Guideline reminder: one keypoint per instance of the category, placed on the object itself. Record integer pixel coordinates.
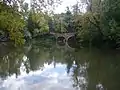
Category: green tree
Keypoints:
(68, 20)
(100, 24)
(37, 23)
(12, 23)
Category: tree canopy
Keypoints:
(98, 25)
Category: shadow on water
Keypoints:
(70, 43)
(43, 64)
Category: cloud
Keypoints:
(65, 3)
(61, 8)
(49, 79)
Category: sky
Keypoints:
(65, 3)
(61, 8)
(48, 78)
(69, 3)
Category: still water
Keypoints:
(45, 65)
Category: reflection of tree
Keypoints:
(69, 58)
(104, 67)
(35, 58)
(80, 76)
(45, 51)
(78, 71)
(10, 63)
(41, 53)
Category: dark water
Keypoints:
(45, 65)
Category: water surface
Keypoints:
(45, 65)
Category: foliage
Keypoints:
(37, 23)
(46, 5)
(100, 24)
(59, 24)
(63, 22)
(17, 20)
(68, 19)
(12, 23)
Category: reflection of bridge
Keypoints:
(65, 35)
(66, 46)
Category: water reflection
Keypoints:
(43, 65)
(47, 79)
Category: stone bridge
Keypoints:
(65, 35)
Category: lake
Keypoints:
(48, 65)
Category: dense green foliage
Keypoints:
(100, 24)
(59, 24)
(11, 23)
(18, 22)
(97, 26)
(63, 22)
(37, 23)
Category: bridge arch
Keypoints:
(61, 39)
(65, 35)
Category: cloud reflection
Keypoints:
(49, 78)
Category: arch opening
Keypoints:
(61, 41)
(71, 41)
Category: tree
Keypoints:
(37, 23)
(44, 5)
(68, 19)
(100, 24)
(76, 9)
(11, 23)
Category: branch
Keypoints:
(92, 22)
